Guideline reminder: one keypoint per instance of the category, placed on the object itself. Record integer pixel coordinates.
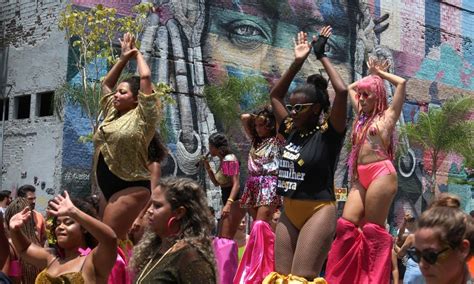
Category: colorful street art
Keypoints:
(193, 43)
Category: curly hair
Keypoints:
(265, 112)
(450, 223)
(195, 225)
(87, 208)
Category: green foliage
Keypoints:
(94, 33)
(234, 96)
(444, 130)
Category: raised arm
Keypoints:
(278, 92)
(352, 95)
(248, 121)
(145, 75)
(36, 255)
(339, 108)
(128, 51)
(105, 253)
(394, 110)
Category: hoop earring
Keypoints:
(169, 226)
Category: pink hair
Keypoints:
(372, 84)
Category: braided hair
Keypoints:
(375, 85)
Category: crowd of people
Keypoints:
(150, 229)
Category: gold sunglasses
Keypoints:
(298, 107)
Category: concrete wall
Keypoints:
(35, 54)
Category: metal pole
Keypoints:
(9, 86)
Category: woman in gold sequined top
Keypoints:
(87, 248)
(121, 141)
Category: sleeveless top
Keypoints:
(228, 168)
(66, 278)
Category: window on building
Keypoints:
(45, 104)
(4, 103)
(22, 107)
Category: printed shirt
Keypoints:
(307, 164)
(263, 160)
(123, 139)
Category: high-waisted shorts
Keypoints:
(299, 211)
(110, 183)
(368, 173)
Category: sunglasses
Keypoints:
(299, 107)
(363, 95)
(430, 257)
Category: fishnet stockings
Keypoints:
(303, 252)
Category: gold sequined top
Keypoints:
(123, 139)
(71, 277)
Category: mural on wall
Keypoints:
(193, 43)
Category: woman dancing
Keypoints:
(314, 138)
(227, 177)
(121, 141)
(260, 195)
(361, 252)
(87, 248)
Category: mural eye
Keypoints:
(335, 49)
(247, 34)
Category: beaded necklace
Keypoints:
(311, 132)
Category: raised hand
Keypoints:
(128, 45)
(61, 206)
(302, 47)
(19, 219)
(319, 43)
(375, 67)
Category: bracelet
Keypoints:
(230, 200)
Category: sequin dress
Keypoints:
(260, 187)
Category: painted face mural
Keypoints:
(256, 37)
(192, 43)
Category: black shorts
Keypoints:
(225, 194)
(110, 183)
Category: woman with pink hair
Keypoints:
(362, 248)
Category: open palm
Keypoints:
(19, 219)
(302, 46)
(128, 45)
(61, 206)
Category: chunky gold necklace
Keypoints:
(143, 275)
(311, 132)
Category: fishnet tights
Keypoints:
(303, 252)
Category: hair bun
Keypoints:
(447, 200)
(318, 81)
